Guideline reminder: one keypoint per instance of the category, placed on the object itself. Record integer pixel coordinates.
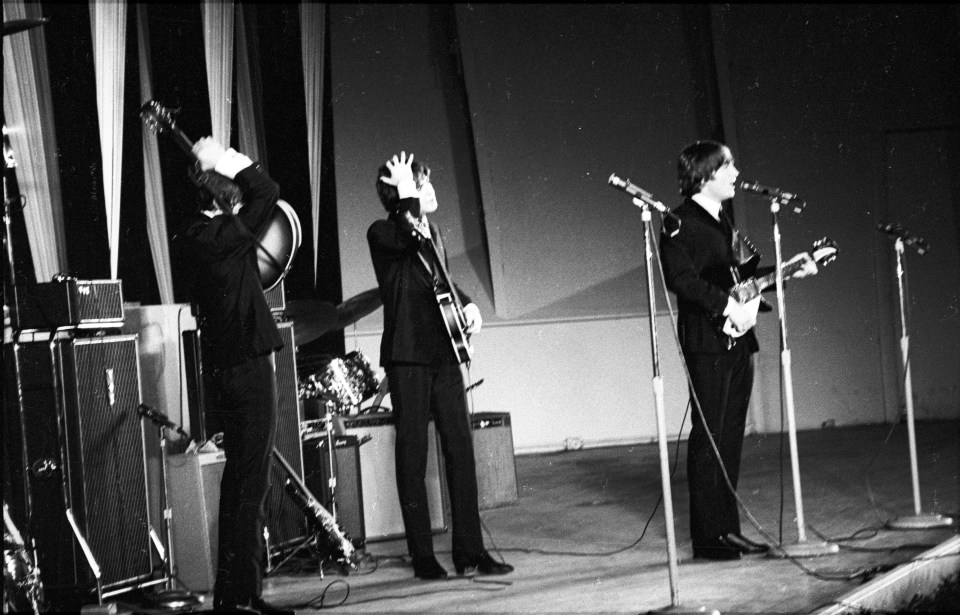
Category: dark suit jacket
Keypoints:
(235, 320)
(697, 267)
(413, 328)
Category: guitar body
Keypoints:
(456, 324)
(278, 245)
(747, 292)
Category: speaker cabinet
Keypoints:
(493, 451)
(348, 492)
(381, 504)
(84, 445)
(286, 522)
(194, 488)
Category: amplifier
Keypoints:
(87, 304)
(493, 451)
(382, 519)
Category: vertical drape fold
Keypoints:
(108, 23)
(312, 31)
(218, 18)
(156, 215)
(28, 110)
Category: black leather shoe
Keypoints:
(743, 545)
(718, 551)
(483, 564)
(428, 568)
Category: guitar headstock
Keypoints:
(824, 251)
(156, 117)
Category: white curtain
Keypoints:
(246, 108)
(28, 110)
(152, 182)
(312, 18)
(218, 44)
(108, 22)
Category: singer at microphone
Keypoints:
(697, 267)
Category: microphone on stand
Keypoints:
(908, 238)
(639, 193)
(160, 419)
(785, 197)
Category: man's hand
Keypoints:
(809, 265)
(474, 321)
(208, 152)
(400, 169)
(741, 318)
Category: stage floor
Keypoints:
(575, 534)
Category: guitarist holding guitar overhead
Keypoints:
(703, 263)
(239, 337)
(426, 333)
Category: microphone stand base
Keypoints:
(804, 549)
(173, 600)
(919, 522)
(684, 610)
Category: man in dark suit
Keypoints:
(701, 263)
(423, 369)
(238, 337)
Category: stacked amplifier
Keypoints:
(74, 449)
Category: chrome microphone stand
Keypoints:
(644, 200)
(803, 547)
(917, 521)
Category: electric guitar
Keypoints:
(451, 309)
(748, 291)
(277, 245)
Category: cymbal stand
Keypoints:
(917, 521)
(329, 405)
(802, 548)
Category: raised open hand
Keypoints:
(400, 169)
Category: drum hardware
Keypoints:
(347, 382)
(22, 587)
(327, 536)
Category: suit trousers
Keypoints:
(245, 400)
(722, 383)
(418, 392)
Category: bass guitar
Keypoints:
(451, 309)
(277, 245)
(748, 291)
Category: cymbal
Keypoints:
(19, 25)
(313, 318)
(358, 306)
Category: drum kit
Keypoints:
(341, 384)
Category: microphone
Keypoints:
(908, 238)
(639, 193)
(777, 193)
(160, 419)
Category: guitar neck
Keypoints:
(182, 140)
(443, 271)
(771, 278)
